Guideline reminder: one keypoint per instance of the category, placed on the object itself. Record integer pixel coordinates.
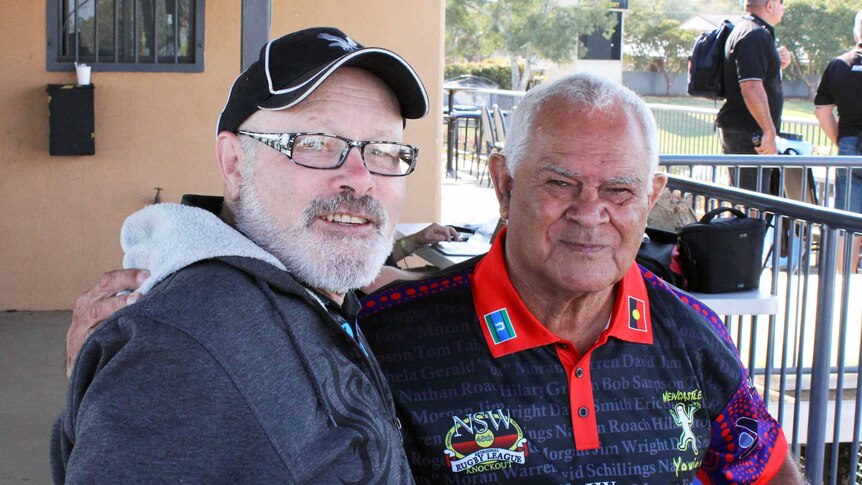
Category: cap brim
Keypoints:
(386, 65)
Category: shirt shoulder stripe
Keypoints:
(414, 290)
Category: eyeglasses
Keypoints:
(328, 152)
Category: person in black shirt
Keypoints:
(839, 88)
(751, 116)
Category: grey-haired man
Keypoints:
(243, 363)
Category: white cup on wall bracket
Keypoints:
(83, 72)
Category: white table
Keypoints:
(751, 302)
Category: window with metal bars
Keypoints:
(126, 35)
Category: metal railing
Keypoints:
(655, 84)
(464, 139)
(805, 359)
(475, 97)
(682, 130)
(687, 130)
(813, 176)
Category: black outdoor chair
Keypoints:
(490, 143)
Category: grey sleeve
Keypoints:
(149, 404)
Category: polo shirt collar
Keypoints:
(759, 21)
(508, 326)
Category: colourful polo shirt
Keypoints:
(486, 394)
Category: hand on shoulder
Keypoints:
(97, 304)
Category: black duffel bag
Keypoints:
(722, 254)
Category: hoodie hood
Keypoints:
(164, 238)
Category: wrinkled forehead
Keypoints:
(601, 148)
(578, 127)
(585, 129)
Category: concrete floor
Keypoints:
(32, 388)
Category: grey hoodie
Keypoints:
(227, 371)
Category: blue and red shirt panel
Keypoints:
(486, 394)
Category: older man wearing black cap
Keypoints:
(243, 362)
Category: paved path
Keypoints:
(466, 202)
(32, 388)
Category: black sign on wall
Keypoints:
(72, 127)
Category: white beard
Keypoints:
(324, 262)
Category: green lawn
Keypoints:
(794, 108)
(694, 133)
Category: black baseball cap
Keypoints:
(291, 67)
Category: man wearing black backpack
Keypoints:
(839, 88)
(750, 118)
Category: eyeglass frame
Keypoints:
(287, 149)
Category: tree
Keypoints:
(815, 31)
(467, 34)
(526, 31)
(653, 38)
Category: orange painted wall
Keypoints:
(61, 216)
(413, 28)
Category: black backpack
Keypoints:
(706, 63)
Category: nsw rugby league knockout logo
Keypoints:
(484, 441)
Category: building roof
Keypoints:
(705, 22)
